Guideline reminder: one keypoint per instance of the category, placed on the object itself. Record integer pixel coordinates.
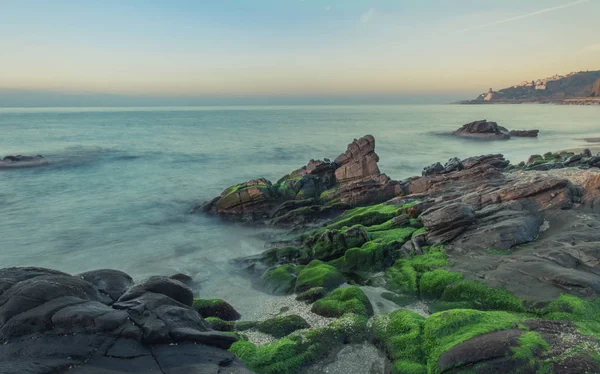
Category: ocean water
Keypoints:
(122, 180)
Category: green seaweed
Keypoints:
(279, 327)
(344, 300)
(530, 345)
(318, 274)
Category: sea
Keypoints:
(122, 181)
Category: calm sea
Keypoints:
(122, 180)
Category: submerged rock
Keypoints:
(22, 161)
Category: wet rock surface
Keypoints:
(98, 322)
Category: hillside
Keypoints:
(557, 89)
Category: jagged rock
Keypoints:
(454, 164)
(52, 322)
(525, 133)
(358, 162)
(483, 130)
(443, 224)
(432, 169)
(370, 190)
(161, 285)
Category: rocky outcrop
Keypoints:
(98, 322)
(483, 130)
(319, 190)
(22, 161)
(358, 162)
(486, 130)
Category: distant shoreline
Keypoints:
(584, 101)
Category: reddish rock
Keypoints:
(369, 190)
(359, 161)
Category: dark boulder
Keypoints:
(22, 161)
(113, 283)
(53, 322)
(161, 285)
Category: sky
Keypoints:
(251, 49)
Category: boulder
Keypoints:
(358, 162)
(54, 322)
(369, 190)
(483, 130)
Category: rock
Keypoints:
(183, 278)
(573, 159)
(252, 199)
(358, 162)
(114, 283)
(53, 322)
(279, 327)
(446, 223)
(432, 169)
(161, 285)
(525, 133)
(454, 164)
(216, 308)
(483, 130)
(370, 190)
(22, 161)
(587, 153)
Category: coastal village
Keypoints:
(549, 89)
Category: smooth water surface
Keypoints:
(122, 180)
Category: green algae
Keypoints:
(318, 274)
(281, 279)
(344, 300)
(289, 354)
(433, 283)
(312, 295)
(220, 325)
(444, 330)
(400, 333)
(279, 327)
(584, 314)
(366, 216)
(530, 345)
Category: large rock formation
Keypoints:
(99, 322)
(318, 190)
(358, 162)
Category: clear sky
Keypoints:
(246, 48)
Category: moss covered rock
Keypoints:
(400, 334)
(279, 327)
(216, 308)
(344, 300)
(220, 325)
(312, 295)
(281, 279)
(293, 352)
(366, 216)
(331, 244)
(318, 274)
